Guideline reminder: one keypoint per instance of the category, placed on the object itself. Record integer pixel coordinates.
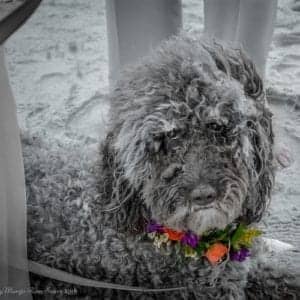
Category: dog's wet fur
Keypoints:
(190, 139)
(189, 144)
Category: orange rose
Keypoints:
(215, 253)
(173, 234)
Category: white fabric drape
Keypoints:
(248, 23)
(136, 26)
(14, 280)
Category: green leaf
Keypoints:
(202, 246)
(238, 234)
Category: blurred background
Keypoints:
(58, 68)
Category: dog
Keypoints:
(190, 138)
(190, 145)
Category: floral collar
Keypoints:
(234, 241)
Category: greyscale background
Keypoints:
(58, 67)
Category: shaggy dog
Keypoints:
(190, 140)
(189, 144)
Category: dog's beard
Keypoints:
(198, 219)
(201, 219)
(217, 215)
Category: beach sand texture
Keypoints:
(57, 64)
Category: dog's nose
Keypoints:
(203, 194)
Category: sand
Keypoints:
(57, 64)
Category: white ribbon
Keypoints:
(56, 274)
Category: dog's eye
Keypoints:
(156, 143)
(173, 134)
(220, 133)
(250, 124)
(216, 127)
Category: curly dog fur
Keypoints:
(189, 144)
(190, 139)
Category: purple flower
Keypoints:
(190, 239)
(152, 226)
(239, 255)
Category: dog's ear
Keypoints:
(262, 173)
(121, 204)
(235, 63)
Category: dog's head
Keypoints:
(191, 138)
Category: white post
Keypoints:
(136, 26)
(13, 253)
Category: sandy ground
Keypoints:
(58, 70)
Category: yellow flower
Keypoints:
(190, 252)
(247, 238)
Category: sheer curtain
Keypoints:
(14, 279)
